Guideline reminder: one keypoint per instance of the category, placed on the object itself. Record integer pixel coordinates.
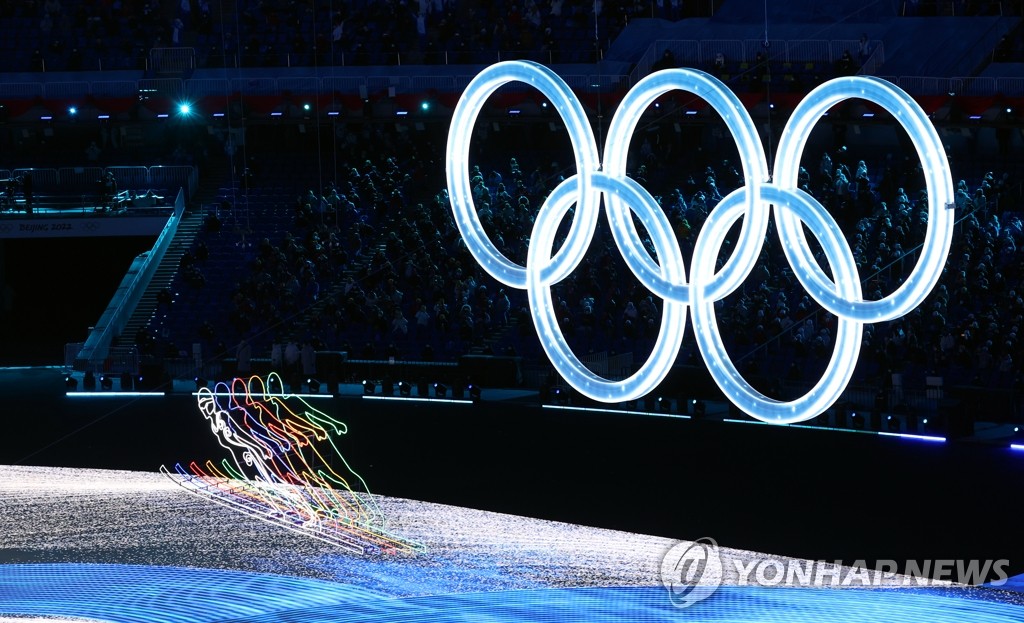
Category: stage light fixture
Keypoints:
(369, 387)
(70, 382)
(404, 389)
(314, 385)
(185, 109)
(425, 106)
(664, 404)
(201, 383)
(474, 393)
(72, 111)
(106, 382)
(440, 390)
(893, 423)
(700, 409)
(306, 107)
(857, 421)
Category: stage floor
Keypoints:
(81, 544)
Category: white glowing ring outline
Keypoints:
(753, 203)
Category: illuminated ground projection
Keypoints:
(764, 195)
(276, 471)
(128, 546)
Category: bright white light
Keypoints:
(754, 203)
(185, 109)
(918, 437)
(113, 394)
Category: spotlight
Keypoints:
(425, 106)
(440, 390)
(314, 385)
(185, 109)
(306, 107)
(72, 111)
(404, 389)
(894, 424)
(857, 421)
(664, 404)
(201, 383)
(106, 382)
(699, 408)
(474, 393)
(369, 387)
(89, 382)
(70, 382)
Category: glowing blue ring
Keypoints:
(752, 161)
(938, 182)
(539, 282)
(457, 158)
(841, 366)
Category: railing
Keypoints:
(97, 347)
(85, 180)
(168, 61)
(736, 52)
(365, 86)
(119, 359)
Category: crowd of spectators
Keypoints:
(373, 264)
(56, 35)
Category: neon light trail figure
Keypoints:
(276, 472)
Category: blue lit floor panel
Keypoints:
(128, 546)
(128, 593)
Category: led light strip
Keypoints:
(617, 411)
(113, 394)
(419, 399)
(755, 204)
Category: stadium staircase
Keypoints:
(191, 222)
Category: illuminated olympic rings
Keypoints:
(754, 203)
